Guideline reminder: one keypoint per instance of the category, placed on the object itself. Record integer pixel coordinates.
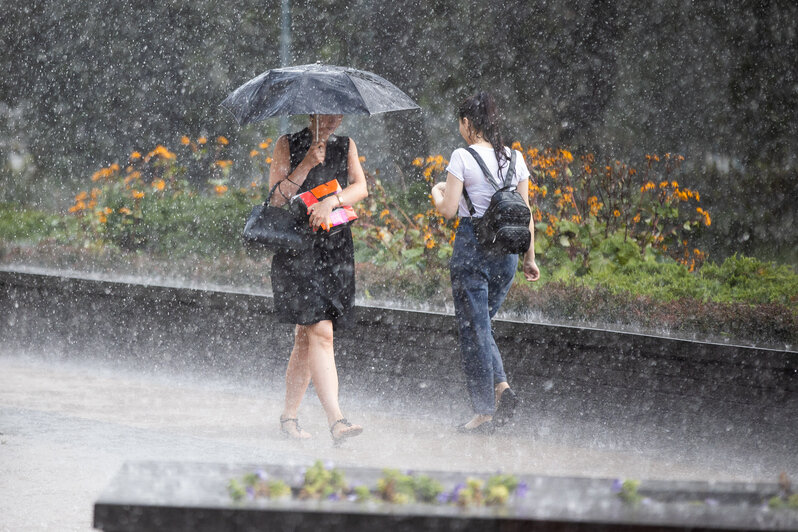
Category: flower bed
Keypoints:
(613, 241)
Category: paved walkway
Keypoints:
(66, 427)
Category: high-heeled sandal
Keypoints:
(289, 434)
(350, 430)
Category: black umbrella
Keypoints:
(315, 89)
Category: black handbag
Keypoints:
(276, 229)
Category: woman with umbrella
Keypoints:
(315, 289)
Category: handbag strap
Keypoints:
(269, 197)
(508, 178)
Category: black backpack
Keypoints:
(504, 228)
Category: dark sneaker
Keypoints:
(506, 409)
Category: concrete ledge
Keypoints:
(152, 496)
(412, 358)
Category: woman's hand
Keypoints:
(315, 155)
(320, 213)
(531, 271)
(438, 191)
(446, 196)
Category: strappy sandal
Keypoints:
(350, 431)
(289, 434)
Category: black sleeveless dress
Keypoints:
(318, 284)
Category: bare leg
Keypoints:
(321, 359)
(297, 379)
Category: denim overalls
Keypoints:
(480, 282)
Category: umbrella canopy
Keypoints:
(315, 89)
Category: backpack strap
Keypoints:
(484, 167)
(510, 174)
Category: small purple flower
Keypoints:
(522, 489)
(646, 501)
(351, 497)
(329, 464)
(333, 497)
(250, 493)
(261, 474)
(617, 485)
(711, 502)
(451, 496)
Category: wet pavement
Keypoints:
(66, 427)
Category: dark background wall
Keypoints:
(85, 83)
(716, 77)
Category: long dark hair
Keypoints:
(480, 109)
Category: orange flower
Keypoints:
(220, 189)
(705, 214)
(202, 140)
(159, 184)
(125, 210)
(135, 155)
(222, 140)
(268, 160)
(138, 194)
(224, 164)
(160, 151)
(254, 153)
(265, 144)
(185, 141)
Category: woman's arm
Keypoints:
(281, 164)
(446, 196)
(355, 191)
(531, 271)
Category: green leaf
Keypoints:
(412, 253)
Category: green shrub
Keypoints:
(18, 224)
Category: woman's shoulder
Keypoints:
(458, 153)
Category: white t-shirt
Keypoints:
(464, 167)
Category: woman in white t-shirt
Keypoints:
(481, 280)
